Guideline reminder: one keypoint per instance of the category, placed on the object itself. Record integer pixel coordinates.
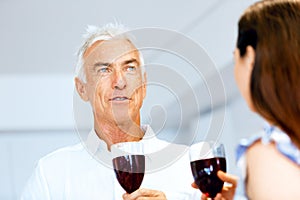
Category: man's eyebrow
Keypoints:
(106, 64)
(133, 60)
(100, 64)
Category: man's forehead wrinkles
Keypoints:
(118, 45)
(112, 57)
(126, 58)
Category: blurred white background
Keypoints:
(38, 41)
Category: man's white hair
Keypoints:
(106, 32)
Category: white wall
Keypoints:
(36, 102)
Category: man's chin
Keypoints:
(122, 119)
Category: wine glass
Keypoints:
(129, 164)
(207, 158)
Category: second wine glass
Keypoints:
(207, 158)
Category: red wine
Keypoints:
(129, 171)
(205, 175)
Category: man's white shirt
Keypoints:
(84, 171)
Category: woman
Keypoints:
(267, 72)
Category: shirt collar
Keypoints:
(94, 143)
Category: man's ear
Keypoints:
(250, 57)
(81, 89)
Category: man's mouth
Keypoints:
(119, 99)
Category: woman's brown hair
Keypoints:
(272, 28)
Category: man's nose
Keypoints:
(119, 80)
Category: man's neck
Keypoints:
(112, 133)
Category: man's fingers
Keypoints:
(151, 198)
(194, 185)
(228, 178)
(203, 197)
(218, 197)
(141, 193)
(148, 192)
(125, 196)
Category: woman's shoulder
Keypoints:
(267, 153)
(270, 174)
(269, 161)
(272, 138)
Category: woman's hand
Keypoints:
(227, 192)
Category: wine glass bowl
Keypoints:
(206, 159)
(129, 165)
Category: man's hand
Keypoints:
(143, 194)
(227, 191)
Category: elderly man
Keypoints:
(111, 77)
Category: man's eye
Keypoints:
(131, 68)
(103, 70)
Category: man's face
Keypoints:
(114, 85)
